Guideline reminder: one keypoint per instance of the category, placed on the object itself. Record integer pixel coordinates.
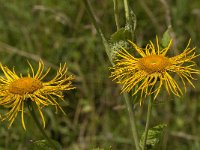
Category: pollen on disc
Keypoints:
(25, 85)
(153, 63)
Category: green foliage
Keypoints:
(122, 34)
(154, 136)
(166, 38)
(45, 145)
(61, 31)
(120, 38)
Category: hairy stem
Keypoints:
(147, 122)
(116, 13)
(126, 97)
(132, 120)
(126, 7)
(31, 109)
(92, 16)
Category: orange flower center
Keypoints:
(25, 85)
(153, 63)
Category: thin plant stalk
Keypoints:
(132, 120)
(147, 122)
(125, 95)
(126, 7)
(128, 20)
(91, 13)
(116, 14)
(33, 114)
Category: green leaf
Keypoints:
(154, 136)
(120, 38)
(116, 47)
(122, 34)
(127, 32)
(45, 145)
(166, 37)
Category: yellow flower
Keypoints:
(153, 69)
(17, 90)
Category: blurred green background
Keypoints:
(61, 31)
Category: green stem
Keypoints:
(116, 13)
(147, 122)
(92, 15)
(33, 114)
(126, 7)
(132, 121)
(128, 20)
(126, 98)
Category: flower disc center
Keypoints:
(25, 85)
(153, 63)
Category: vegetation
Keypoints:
(97, 117)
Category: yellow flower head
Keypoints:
(16, 90)
(153, 69)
